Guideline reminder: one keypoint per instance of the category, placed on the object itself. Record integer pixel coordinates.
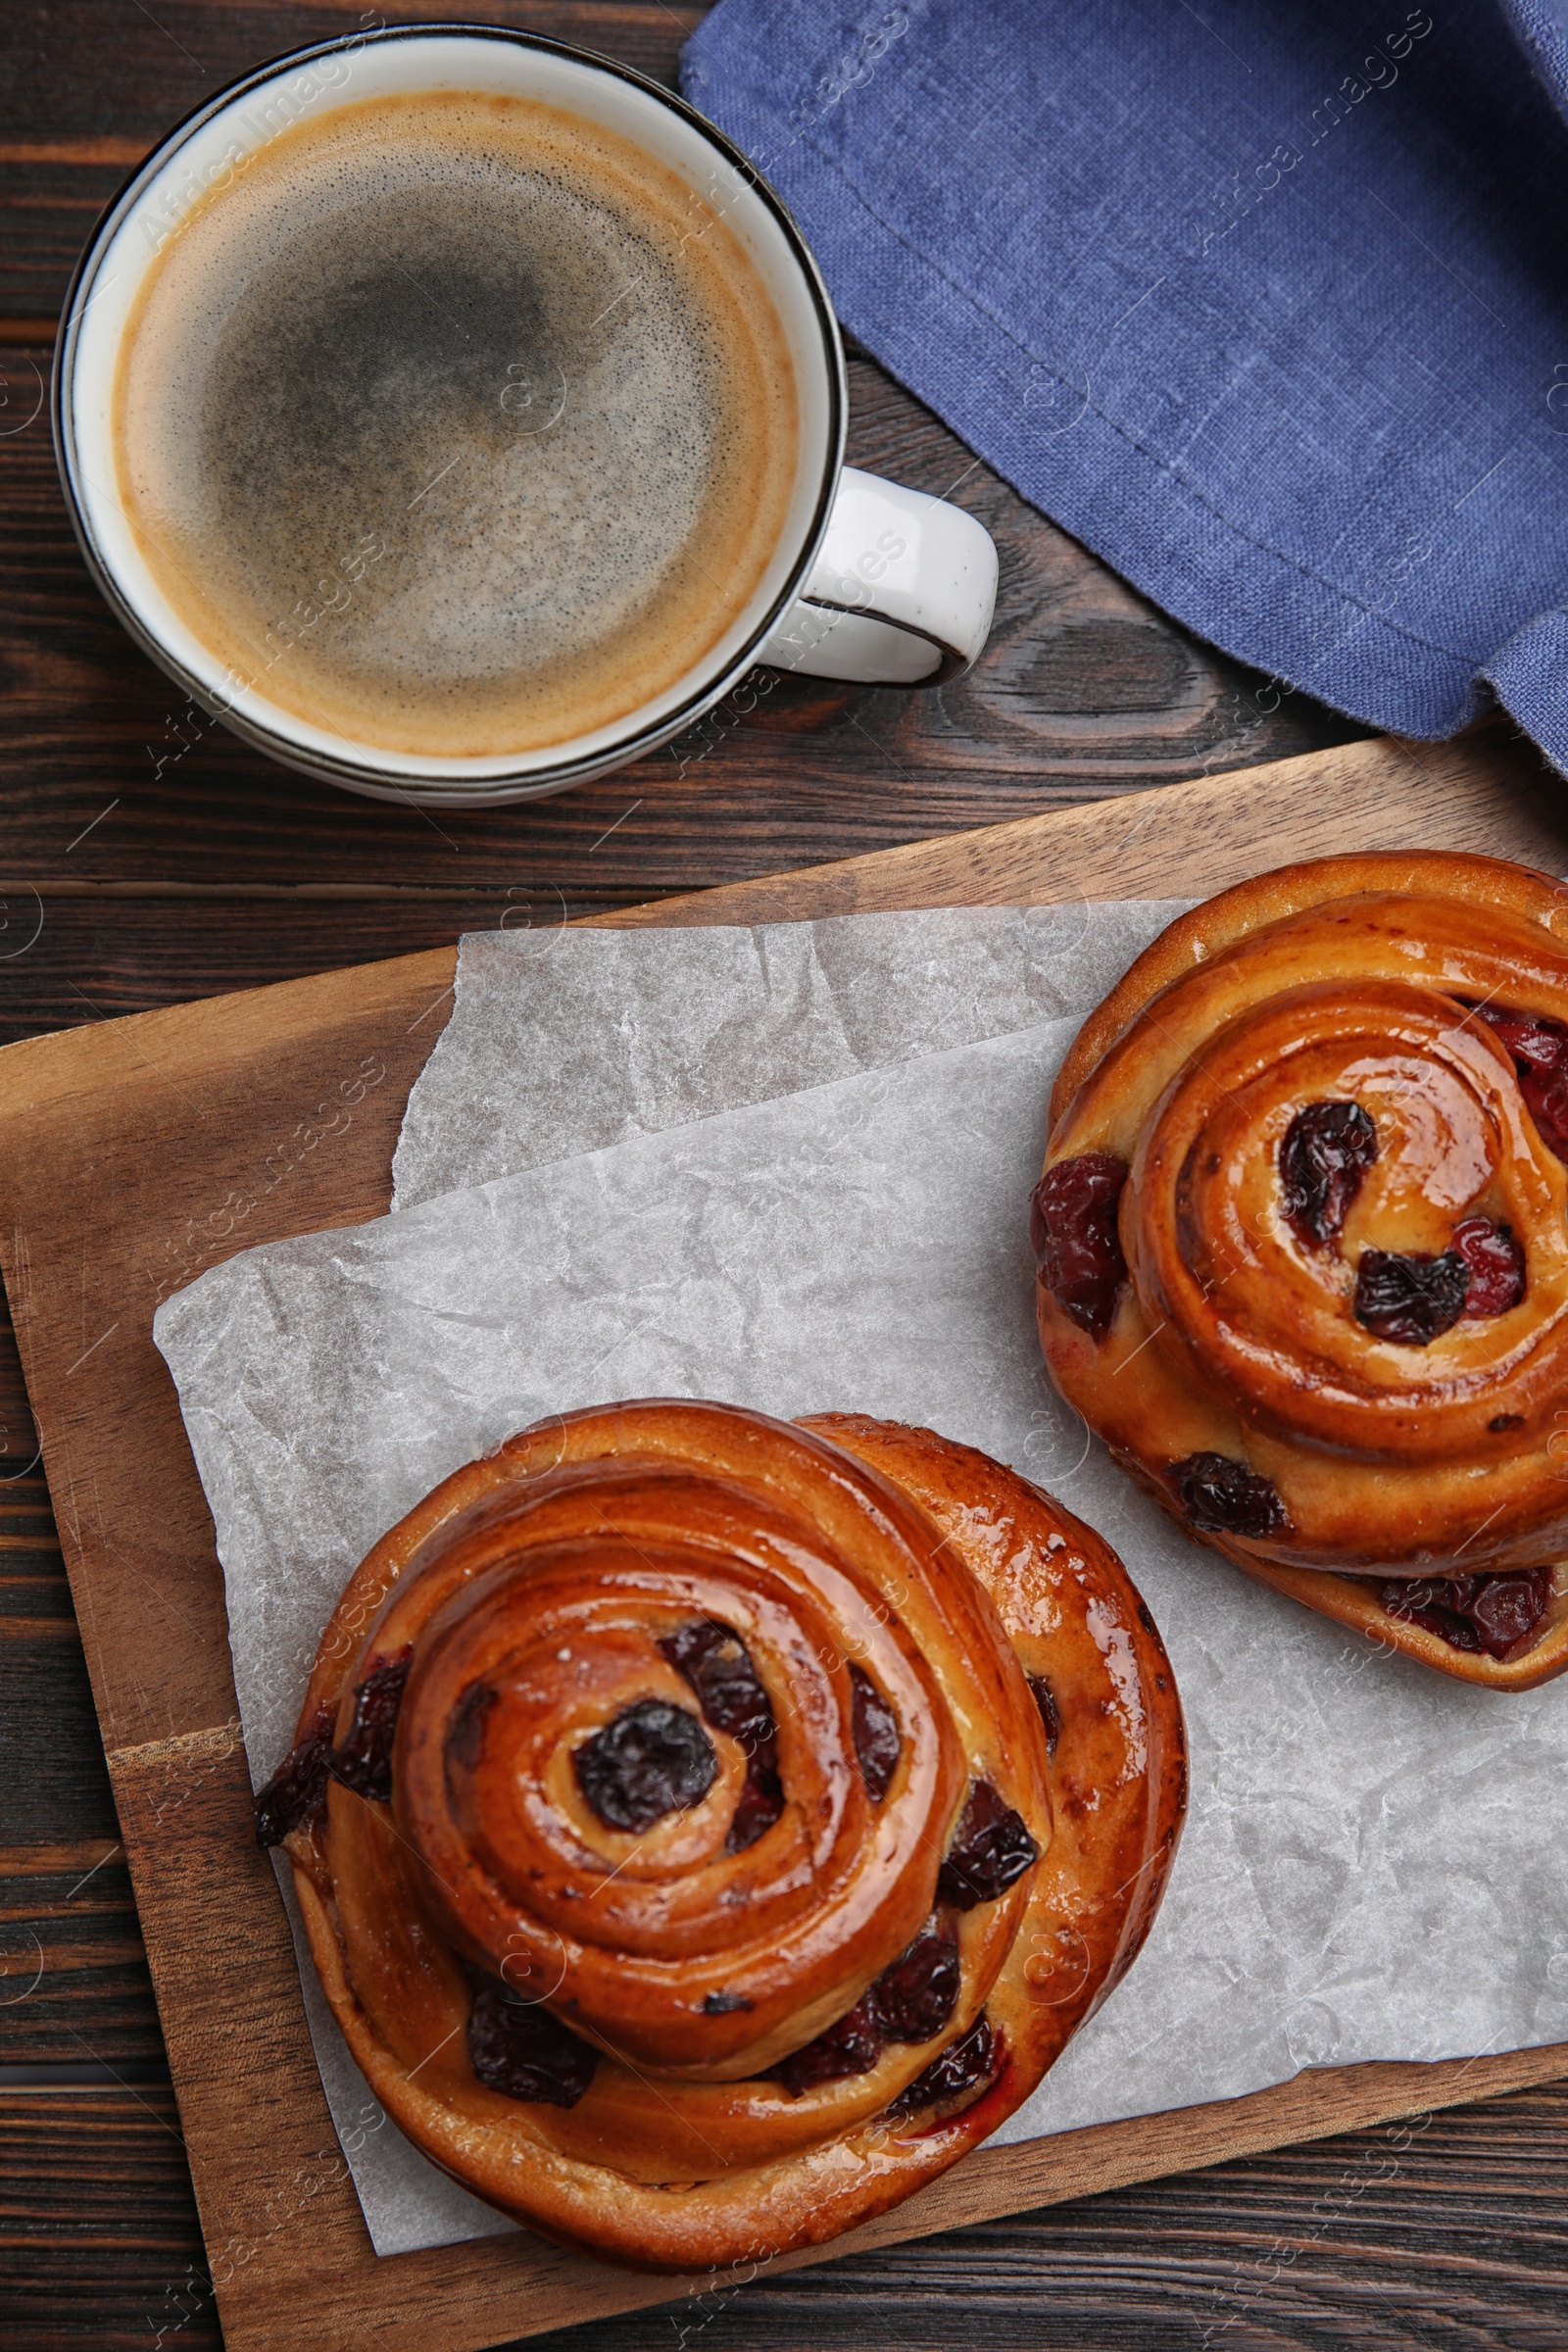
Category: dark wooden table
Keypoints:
(146, 856)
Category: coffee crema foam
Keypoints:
(456, 425)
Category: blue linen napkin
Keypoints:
(1266, 303)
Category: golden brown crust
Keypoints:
(1357, 979)
(1352, 1602)
(944, 1578)
(1231, 915)
(1119, 1775)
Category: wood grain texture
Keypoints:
(98, 958)
(75, 1989)
(90, 954)
(68, 139)
(133, 1152)
(1488, 790)
(1446, 2230)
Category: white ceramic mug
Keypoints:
(868, 581)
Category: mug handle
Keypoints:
(900, 594)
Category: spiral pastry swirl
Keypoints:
(672, 1818)
(1302, 1249)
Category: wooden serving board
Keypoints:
(136, 1153)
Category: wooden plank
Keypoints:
(132, 1154)
(67, 137)
(112, 948)
(74, 1992)
(1466, 2206)
(100, 955)
(74, 1983)
(1489, 791)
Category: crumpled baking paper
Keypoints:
(1371, 1866)
(564, 1041)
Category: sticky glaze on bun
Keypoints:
(709, 1828)
(1302, 1247)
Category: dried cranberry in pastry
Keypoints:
(1493, 1614)
(1414, 1298)
(1326, 1151)
(1540, 1049)
(364, 1762)
(516, 2047)
(991, 1847)
(1509, 1608)
(851, 2046)
(974, 2059)
(1050, 1712)
(1432, 1602)
(1495, 1264)
(911, 2000)
(877, 1734)
(1072, 1226)
(717, 1665)
(298, 1788)
(761, 1801)
(1217, 1492)
(915, 1996)
(651, 1760)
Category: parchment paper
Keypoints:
(565, 1041)
(1371, 1867)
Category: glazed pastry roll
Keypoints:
(709, 1828)
(1302, 1245)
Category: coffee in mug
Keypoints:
(441, 422)
(458, 416)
